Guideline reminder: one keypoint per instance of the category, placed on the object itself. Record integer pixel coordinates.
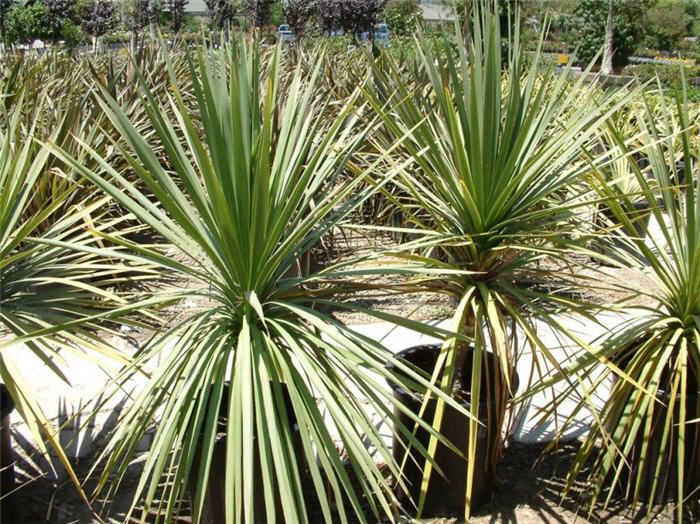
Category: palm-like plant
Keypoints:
(494, 161)
(50, 276)
(648, 436)
(245, 199)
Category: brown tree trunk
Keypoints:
(459, 381)
(153, 23)
(467, 27)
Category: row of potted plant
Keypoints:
(252, 168)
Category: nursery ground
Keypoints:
(531, 485)
(529, 492)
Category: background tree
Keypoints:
(360, 16)
(5, 6)
(211, 9)
(25, 23)
(276, 15)
(327, 14)
(58, 19)
(668, 23)
(221, 12)
(97, 18)
(134, 19)
(50, 20)
(402, 16)
(259, 11)
(352, 16)
(177, 13)
(153, 9)
(298, 14)
(590, 17)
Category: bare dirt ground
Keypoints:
(529, 491)
(531, 483)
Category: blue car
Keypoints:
(285, 33)
(381, 35)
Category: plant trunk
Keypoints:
(447, 495)
(459, 381)
(467, 27)
(607, 66)
(130, 70)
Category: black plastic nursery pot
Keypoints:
(7, 468)
(646, 471)
(446, 496)
(214, 509)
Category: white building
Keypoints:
(437, 12)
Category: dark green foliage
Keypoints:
(97, 17)
(589, 28)
(5, 6)
(24, 23)
(276, 16)
(670, 75)
(51, 20)
(667, 24)
(58, 14)
(402, 16)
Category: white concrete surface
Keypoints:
(81, 435)
(529, 427)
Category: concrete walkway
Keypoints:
(80, 436)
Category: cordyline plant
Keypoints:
(54, 285)
(646, 440)
(494, 156)
(242, 204)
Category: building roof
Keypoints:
(437, 12)
(196, 6)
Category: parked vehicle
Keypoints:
(285, 33)
(380, 35)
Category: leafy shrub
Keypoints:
(669, 75)
(589, 30)
(402, 16)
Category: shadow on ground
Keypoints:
(530, 491)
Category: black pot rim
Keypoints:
(622, 361)
(403, 392)
(7, 405)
